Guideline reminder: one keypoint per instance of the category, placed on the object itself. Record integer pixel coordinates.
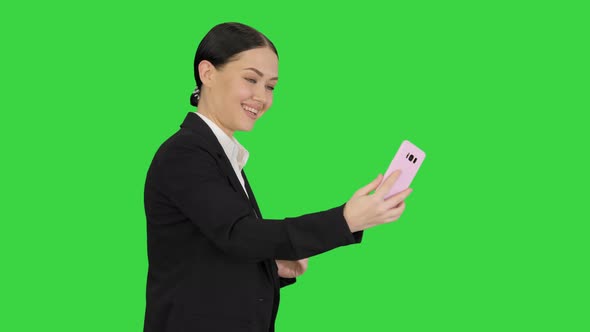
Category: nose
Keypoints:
(260, 95)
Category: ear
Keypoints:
(207, 72)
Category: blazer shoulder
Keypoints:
(186, 140)
(193, 135)
(185, 149)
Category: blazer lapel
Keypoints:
(251, 195)
(194, 123)
(269, 262)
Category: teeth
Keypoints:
(250, 109)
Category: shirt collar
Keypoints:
(234, 151)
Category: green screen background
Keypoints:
(494, 237)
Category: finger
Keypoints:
(396, 199)
(388, 183)
(395, 213)
(368, 188)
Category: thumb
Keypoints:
(368, 188)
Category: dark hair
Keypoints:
(223, 42)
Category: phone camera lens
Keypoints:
(411, 157)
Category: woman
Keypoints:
(214, 263)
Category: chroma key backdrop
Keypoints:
(494, 236)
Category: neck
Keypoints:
(203, 109)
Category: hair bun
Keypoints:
(194, 100)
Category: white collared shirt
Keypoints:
(235, 152)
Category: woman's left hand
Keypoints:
(291, 269)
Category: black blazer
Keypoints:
(211, 255)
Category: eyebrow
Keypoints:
(259, 73)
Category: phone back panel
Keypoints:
(408, 158)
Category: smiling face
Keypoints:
(241, 91)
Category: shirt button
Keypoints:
(260, 300)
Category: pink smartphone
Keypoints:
(408, 158)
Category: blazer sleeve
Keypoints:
(358, 236)
(286, 281)
(191, 179)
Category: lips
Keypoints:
(250, 109)
(251, 115)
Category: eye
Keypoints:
(270, 87)
(251, 80)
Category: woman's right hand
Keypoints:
(364, 211)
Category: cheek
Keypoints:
(243, 91)
(235, 92)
